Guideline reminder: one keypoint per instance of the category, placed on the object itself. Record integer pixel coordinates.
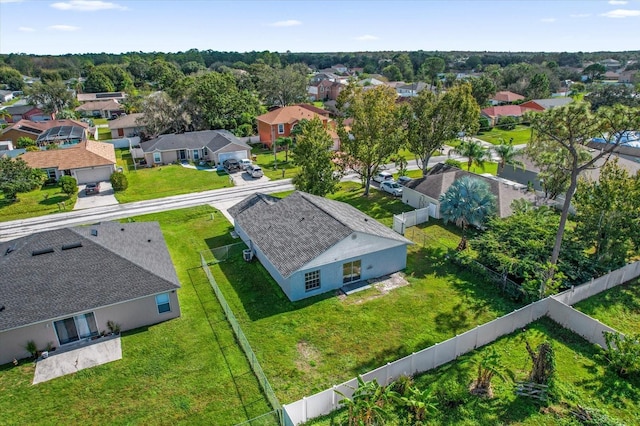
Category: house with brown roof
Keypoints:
(100, 109)
(545, 104)
(34, 129)
(426, 191)
(505, 97)
(494, 113)
(16, 113)
(325, 90)
(91, 97)
(126, 126)
(88, 161)
(279, 122)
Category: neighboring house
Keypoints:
(6, 146)
(88, 161)
(505, 97)
(33, 129)
(629, 76)
(206, 145)
(545, 104)
(279, 122)
(63, 286)
(100, 109)
(311, 245)
(91, 97)
(126, 126)
(26, 112)
(317, 78)
(325, 90)
(496, 112)
(62, 135)
(425, 192)
(6, 95)
(412, 89)
(611, 64)
(340, 68)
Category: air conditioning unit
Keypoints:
(247, 254)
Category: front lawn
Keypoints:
(187, 370)
(582, 378)
(266, 160)
(618, 307)
(310, 345)
(39, 202)
(521, 135)
(164, 181)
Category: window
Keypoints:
(157, 157)
(311, 280)
(162, 301)
(351, 271)
(280, 129)
(51, 173)
(196, 154)
(205, 151)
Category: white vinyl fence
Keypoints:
(408, 219)
(556, 307)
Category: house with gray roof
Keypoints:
(206, 145)
(63, 286)
(311, 245)
(426, 191)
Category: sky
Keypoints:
(88, 26)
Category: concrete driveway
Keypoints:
(244, 179)
(104, 198)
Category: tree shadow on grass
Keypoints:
(427, 261)
(50, 201)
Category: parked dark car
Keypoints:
(92, 188)
(231, 165)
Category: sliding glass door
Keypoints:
(75, 328)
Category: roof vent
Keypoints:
(2, 308)
(71, 246)
(122, 229)
(94, 232)
(42, 251)
(149, 241)
(10, 249)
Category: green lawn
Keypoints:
(164, 181)
(581, 378)
(184, 371)
(265, 159)
(618, 307)
(521, 135)
(104, 133)
(35, 203)
(307, 346)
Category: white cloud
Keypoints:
(367, 37)
(621, 13)
(87, 5)
(26, 29)
(288, 23)
(548, 20)
(63, 28)
(580, 15)
(617, 2)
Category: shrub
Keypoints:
(452, 162)
(623, 353)
(31, 348)
(119, 181)
(507, 123)
(68, 184)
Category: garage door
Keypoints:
(99, 174)
(238, 155)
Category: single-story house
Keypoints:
(88, 161)
(311, 245)
(100, 109)
(425, 192)
(25, 112)
(412, 89)
(494, 113)
(62, 135)
(34, 129)
(545, 104)
(205, 145)
(126, 126)
(91, 97)
(279, 122)
(505, 97)
(6, 95)
(63, 286)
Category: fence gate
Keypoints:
(408, 219)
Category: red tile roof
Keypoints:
(505, 110)
(506, 96)
(289, 114)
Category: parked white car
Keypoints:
(383, 177)
(254, 171)
(392, 187)
(244, 163)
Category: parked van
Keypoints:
(254, 171)
(383, 176)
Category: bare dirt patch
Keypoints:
(381, 286)
(308, 356)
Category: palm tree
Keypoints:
(474, 151)
(508, 155)
(468, 201)
(370, 404)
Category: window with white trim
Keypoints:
(312, 280)
(163, 303)
(51, 173)
(351, 271)
(280, 129)
(157, 157)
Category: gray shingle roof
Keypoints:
(123, 262)
(214, 140)
(441, 177)
(295, 230)
(552, 102)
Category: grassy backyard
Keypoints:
(618, 307)
(164, 181)
(521, 135)
(310, 345)
(185, 371)
(581, 379)
(39, 202)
